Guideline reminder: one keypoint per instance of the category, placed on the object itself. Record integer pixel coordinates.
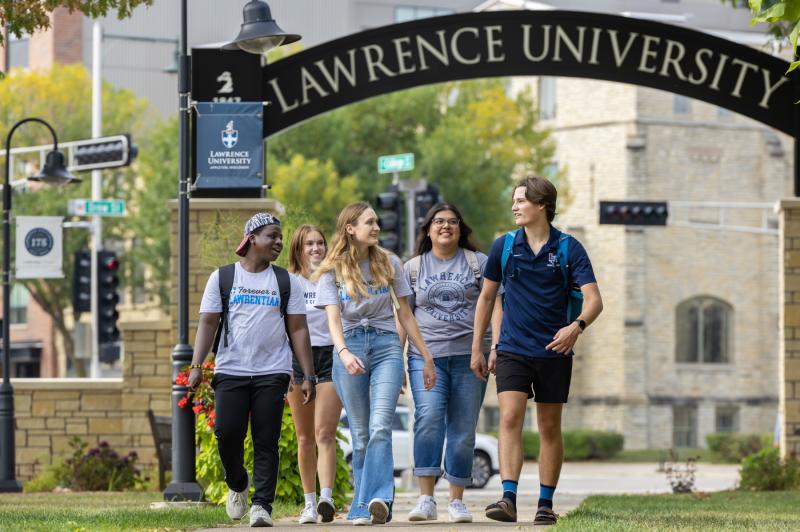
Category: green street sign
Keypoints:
(85, 207)
(402, 162)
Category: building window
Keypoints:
(406, 13)
(19, 305)
(18, 51)
(727, 419)
(680, 104)
(547, 98)
(684, 426)
(704, 331)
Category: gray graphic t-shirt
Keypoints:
(375, 310)
(316, 317)
(444, 302)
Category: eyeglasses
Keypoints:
(439, 222)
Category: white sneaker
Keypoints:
(458, 512)
(326, 509)
(309, 514)
(236, 505)
(379, 511)
(362, 521)
(425, 510)
(259, 516)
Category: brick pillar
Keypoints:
(789, 293)
(60, 43)
(215, 230)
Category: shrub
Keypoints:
(100, 468)
(591, 444)
(765, 471)
(578, 444)
(52, 476)
(210, 473)
(733, 447)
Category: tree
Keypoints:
(470, 138)
(58, 96)
(782, 16)
(28, 16)
(314, 188)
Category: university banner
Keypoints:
(39, 250)
(230, 145)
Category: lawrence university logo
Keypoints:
(39, 242)
(230, 136)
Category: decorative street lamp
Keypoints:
(258, 35)
(54, 172)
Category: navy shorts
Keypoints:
(323, 365)
(545, 379)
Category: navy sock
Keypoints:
(546, 496)
(510, 490)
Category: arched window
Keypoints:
(704, 328)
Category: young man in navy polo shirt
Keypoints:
(534, 356)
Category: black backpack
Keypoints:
(225, 286)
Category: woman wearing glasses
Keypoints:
(446, 277)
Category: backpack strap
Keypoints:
(413, 271)
(563, 257)
(285, 291)
(472, 260)
(225, 281)
(508, 246)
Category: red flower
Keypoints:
(212, 414)
(211, 423)
(208, 365)
(182, 403)
(197, 409)
(182, 379)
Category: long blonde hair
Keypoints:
(342, 258)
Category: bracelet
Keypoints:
(195, 366)
(343, 349)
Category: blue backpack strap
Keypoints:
(563, 257)
(508, 246)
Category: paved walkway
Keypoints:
(578, 481)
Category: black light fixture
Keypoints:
(260, 33)
(55, 171)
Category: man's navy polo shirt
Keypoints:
(535, 296)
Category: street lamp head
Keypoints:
(54, 171)
(260, 33)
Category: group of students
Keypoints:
(333, 332)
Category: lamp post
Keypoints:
(259, 34)
(53, 172)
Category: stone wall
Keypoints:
(50, 412)
(790, 326)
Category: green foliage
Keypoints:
(471, 138)
(210, 473)
(315, 187)
(578, 444)
(765, 471)
(732, 447)
(52, 476)
(31, 15)
(782, 17)
(101, 468)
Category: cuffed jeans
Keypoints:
(449, 410)
(260, 401)
(370, 401)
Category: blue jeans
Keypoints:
(370, 401)
(449, 410)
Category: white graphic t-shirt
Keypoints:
(317, 318)
(257, 341)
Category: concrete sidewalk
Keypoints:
(578, 481)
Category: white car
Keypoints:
(484, 464)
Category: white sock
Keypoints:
(311, 498)
(326, 493)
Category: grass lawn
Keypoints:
(656, 455)
(107, 511)
(722, 511)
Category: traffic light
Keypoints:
(106, 152)
(633, 212)
(390, 218)
(82, 282)
(426, 199)
(107, 298)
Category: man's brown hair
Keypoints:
(541, 191)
